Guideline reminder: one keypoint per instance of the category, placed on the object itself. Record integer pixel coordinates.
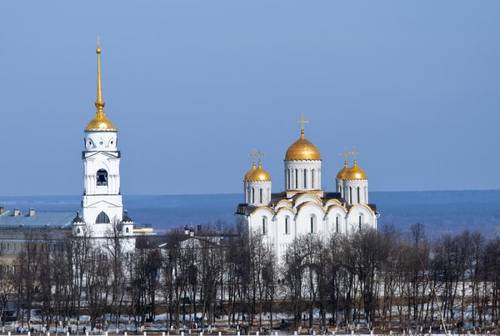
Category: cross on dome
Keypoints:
(302, 121)
(256, 155)
(354, 153)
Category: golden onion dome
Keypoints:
(100, 122)
(343, 172)
(355, 173)
(302, 149)
(257, 174)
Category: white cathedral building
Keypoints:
(103, 215)
(304, 207)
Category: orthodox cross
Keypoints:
(256, 155)
(354, 153)
(302, 122)
(345, 154)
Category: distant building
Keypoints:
(17, 228)
(304, 207)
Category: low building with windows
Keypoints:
(18, 228)
(304, 207)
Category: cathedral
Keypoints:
(103, 216)
(304, 207)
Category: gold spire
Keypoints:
(99, 102)
(100, 122)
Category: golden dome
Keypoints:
(257, 174)
(355, 173)
(343, 172)
(100, 122)
(302, 149)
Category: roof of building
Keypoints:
(39, 220)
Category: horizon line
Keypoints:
(237, 193)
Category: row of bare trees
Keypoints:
(381, 279)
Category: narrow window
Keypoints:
(337, 224)
(287, 225)
(260, 194)
(312, 179)
(305, 178)
(313, 223)
(296, 179)
(253, 195)
(102, 177)
(360, 221)
(264, 226)
(359, 195)
(350, 195)
(127, 230)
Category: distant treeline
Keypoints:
(379, 279)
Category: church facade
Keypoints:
(304, 208)
(103, 215)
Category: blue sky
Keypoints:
(193, 86)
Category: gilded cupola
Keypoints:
(342, 174)
(302, 149)
(257, 173)
(100, 122)
(355, 173)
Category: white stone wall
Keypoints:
(257, 193)
(101, 141)
(101, 153)
(303, 175)
(356, 191)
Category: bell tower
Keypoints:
(102, 200)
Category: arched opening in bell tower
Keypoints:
(102, 177)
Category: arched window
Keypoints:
(305, 178)
(253, 195)
(337, 224)
(78, 231)
(127, 230)
(359, 195)
(260, 194)
(350, 195)
(102, 218)
(264, 226)
(313, 223)
(287, 225)
(102, 177)
(312, 179)
(360, 221)
(296, 179)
